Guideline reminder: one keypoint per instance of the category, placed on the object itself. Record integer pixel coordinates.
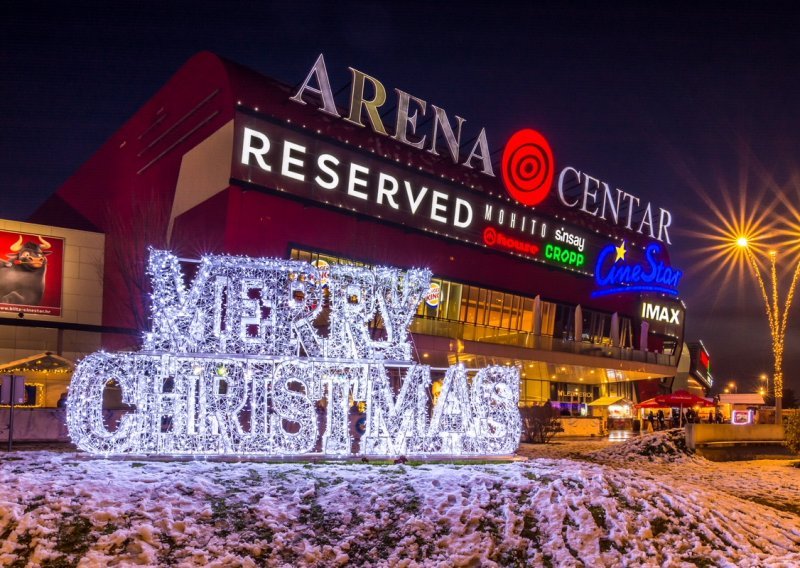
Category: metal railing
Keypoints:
(528, 340)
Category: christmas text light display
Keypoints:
(239, 363)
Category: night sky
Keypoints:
(665, 102)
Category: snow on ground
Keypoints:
(606, 506)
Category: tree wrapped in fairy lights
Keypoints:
(761, 241)
(777, 313)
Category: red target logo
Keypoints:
(528, 167)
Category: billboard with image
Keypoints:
(31, 273)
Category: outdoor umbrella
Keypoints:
(649, 403)
(682, 398)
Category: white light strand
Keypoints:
(239, 364)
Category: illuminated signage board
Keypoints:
(578, 190)
(31, 273)
(700, 363)
(661, 313)
(528, 166)
(434, 295)
(742, 417)
(570, 253)
(284, 158)
(615, 274)
(409, 108)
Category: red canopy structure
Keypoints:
(679, 399)
(682, 398)
(650, 403)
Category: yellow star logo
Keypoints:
(621, 252)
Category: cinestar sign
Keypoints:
(615, 273)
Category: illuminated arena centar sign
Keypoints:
(528, 166)
(235, 365)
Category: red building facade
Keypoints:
(223, 159)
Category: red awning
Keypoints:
(678, 398)
(683, 398)
(651, 403)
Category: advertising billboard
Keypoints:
(31, 273)
(288, 160)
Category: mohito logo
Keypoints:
(493, 238)
(528, 167)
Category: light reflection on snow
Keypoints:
(603, 508)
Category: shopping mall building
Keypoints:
(536, 262)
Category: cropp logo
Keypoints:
(528, 167)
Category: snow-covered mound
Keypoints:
(64, 509)
(667, 446)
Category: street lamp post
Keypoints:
(733, 387)
(778, 319)
(765, 387)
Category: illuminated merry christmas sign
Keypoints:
(237, 364)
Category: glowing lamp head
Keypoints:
(742, 242)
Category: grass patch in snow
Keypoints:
(34, 504)
(24, 542)
(701, 561)
(659, 525)
(599, 515)
(544, 479)
(74, 535)
(777, 505)
(10, 528)
(74, 538)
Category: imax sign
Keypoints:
(661, 313)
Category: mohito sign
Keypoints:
(285, 159)
(234, 365)
(528, 166)
(614, 273)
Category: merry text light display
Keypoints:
(237, 364)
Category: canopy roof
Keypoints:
(41, 363)
(675, 399)
(609, 400)
(683, 398)
(744, 398)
